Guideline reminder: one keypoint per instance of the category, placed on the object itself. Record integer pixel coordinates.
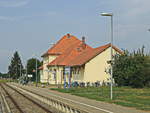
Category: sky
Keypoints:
(31, 26)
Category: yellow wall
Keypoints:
(46, 61)
(78, 74)
(95, 68)
(59, 75)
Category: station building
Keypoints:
(73, 58)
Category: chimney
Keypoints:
(83, 42)
(68, 35)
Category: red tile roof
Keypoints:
(66, 58)
(62, 45)
(89, 54)
(73, 52)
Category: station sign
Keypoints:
(30, 76)
(67, 70)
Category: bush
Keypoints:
(132, 69)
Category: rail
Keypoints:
(34, 102)
(53, 102)
(12, 99)
(4, 105)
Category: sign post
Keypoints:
(67, 72)
(30, 76)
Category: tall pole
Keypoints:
(36, 72)
(111, 54)
(26, 71)
(68, 77)
(111, 91)
(20, 70)
(55, 74)
(48, 77)
(70, 72)
(16, 71)
(9, 77)
(64, 80)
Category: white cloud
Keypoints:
(13, 3)
(13, 18)
(6, 18)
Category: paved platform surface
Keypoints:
(89, 105)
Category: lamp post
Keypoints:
(26, 77)
(36, 69)
(111, 73)
(36, 72)
(20, 69)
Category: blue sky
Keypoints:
(30, 26)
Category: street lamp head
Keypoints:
(106, 14)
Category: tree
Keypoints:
(132, 69)
(1, 75)
(15, 66)
(146, 71)
(4, 75)
(31, 67)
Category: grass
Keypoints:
(125, 96)
(4, 80)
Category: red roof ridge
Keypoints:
(67, 54)
(68, 51)
(58, 42)
(71, 51)
(109, 45)
(90, 54)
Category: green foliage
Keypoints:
(15, 66)
(4, 75)
(31, 67)
(132, 69)
(125, 96)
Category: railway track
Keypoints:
(12, 99)
(19, 108)
(51, 101)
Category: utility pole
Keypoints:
(111, 60)
(64, 78)
(69, 78)
(36, 73)
(9, 77)
(111, 95)
(20, 69)
(26, 72)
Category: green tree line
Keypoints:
(16, 68)
(132, 69)
(4, 75)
